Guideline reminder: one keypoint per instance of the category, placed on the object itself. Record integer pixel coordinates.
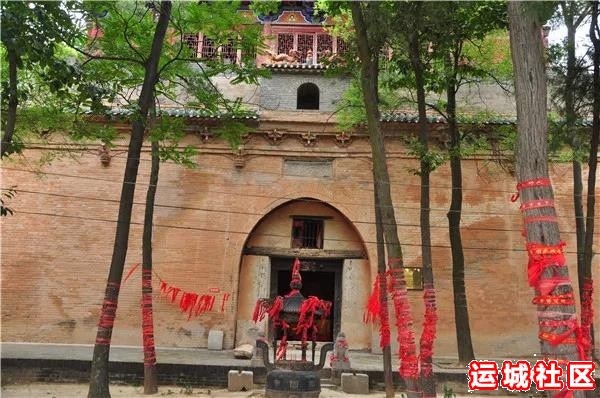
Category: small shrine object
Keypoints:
(293, 377)
(340, 362)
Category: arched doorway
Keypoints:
(308, 96)
(334, 267)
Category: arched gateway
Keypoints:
(335, 267)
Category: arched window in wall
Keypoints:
(308, 96)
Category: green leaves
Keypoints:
(5, 195)
(233, 132)
(430, 159)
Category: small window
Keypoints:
(307, 233)
(308, 96)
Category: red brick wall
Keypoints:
(54, 268)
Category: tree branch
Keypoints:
(176, 58)
(92, 57)
(125, 30)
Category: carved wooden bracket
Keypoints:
(309, 139)
(105, 155)
(239, 160)
(274, 137)
(205, 135)
(343, 140)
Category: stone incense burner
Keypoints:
(291, 378)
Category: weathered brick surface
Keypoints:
(54, 268)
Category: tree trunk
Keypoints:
(383, 301)
(426, 347)
(532, 163)
(461, 309)
(13, 101)
(99, 373)
(570, 118)
(369, 58)
(150, 377)
(593, 158)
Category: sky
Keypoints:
(558, 33)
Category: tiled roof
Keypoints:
(405, 117)
(401, 117)
(296, 66)
(189, 113)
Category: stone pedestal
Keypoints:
(238, 380)
(215, 340)
(355, 383)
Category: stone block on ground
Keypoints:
(238, 380)
(355, 383)
(215, 340)
(243, 351)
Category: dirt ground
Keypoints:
(46, 390)
(56, 390)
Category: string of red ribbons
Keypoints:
(407, 351)
(190, 303)
(541, 257)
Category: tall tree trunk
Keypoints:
(13, 101)
(369, 57)
(461, 309)
(426, 346)
(593, 158)
(532, 163)
(383, 301)
(568, 10)
(99, 372)
(150, 377)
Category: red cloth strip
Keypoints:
(561, 299)
(394, 260)
(224, 301)
(537, 182)
(429, 332)
(372, 311)
(532, 219)
(131, 271)
(542, 256)
(536, 204)
(554, 323)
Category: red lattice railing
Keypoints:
(305, 43)
(191, 40)
(342, 46)
(209, 50)
(285, 43)
(229, 51)
(324, 46)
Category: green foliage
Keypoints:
(265, 7)
(571, 87)
(33, 29)
(233, 132)
(430, 158)
(542, 10)
(168, 132)
(449, 392)
(491, 55)
(7, 194)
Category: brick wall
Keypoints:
(279, 92)
(56, 250)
